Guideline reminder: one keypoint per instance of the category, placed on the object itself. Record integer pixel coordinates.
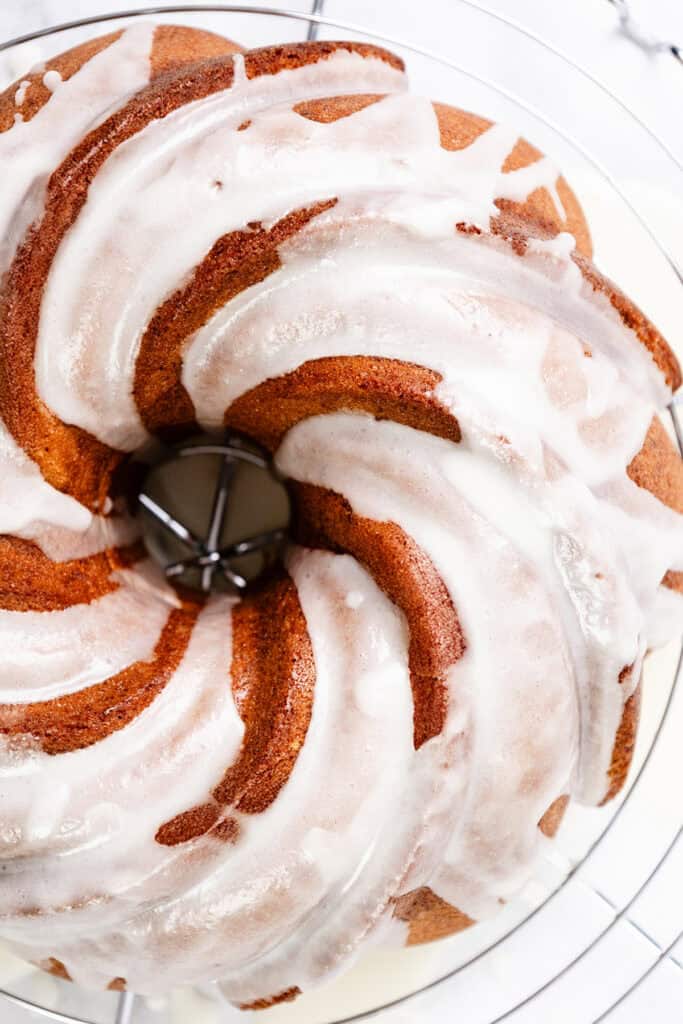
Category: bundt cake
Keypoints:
(396, 299)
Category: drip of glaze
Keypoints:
(20, 94)
(30, 151)
(52, 80)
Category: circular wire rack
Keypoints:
(429, 999)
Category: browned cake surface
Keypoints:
(552, 819)
(283, 997)
(272, 668)
(659, 469)
(173, 47)
(80, 719)
(273, 678)
(30, 581)
(624, 744)
(55, 967)
(407, 576)
(236, 261)
(387, 388)
(647, 333)
(428, 916)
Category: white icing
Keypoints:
(314, 853)
(107, 800)
(32, 150)
(61, 544)
(27, 501)
(552, 556)
(103, 289)
(509, 616)
(35, 148)
(20, 94)
(49, 654)
(402, 295)
(52, 80)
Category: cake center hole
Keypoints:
(215, 514)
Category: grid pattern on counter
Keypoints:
(612, 942)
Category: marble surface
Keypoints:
(586, 30)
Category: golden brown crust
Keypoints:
(632, 317)
(540, 207)
(37, 94)
(673, 580)
(273, 673)
(538, 215)
(459, 129)
(386, 388)
(188, 825)
(409, 579)
(198, 821)
(516, 227)
(268, 60)
(176, 46)
(624, 744)
(78, 720)
(235, 262)
(330, 109)
(287, 996)
(552, 819)
(30, 581)
(428, 916)
(54, 967)
(172, 47)
(658, 467)
(227, 830)
(273, 677)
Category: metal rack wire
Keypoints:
(214, 559)
(206, 553)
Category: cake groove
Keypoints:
(236, 261)
(385, 388)
(410, 581)
(33, 582)
(273, 680)
(394, 298)
(82, 719)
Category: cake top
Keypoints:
(396, 299)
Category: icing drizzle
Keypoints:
(549, 552)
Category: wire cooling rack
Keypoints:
(435, 1000)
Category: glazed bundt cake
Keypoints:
(396, 299)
